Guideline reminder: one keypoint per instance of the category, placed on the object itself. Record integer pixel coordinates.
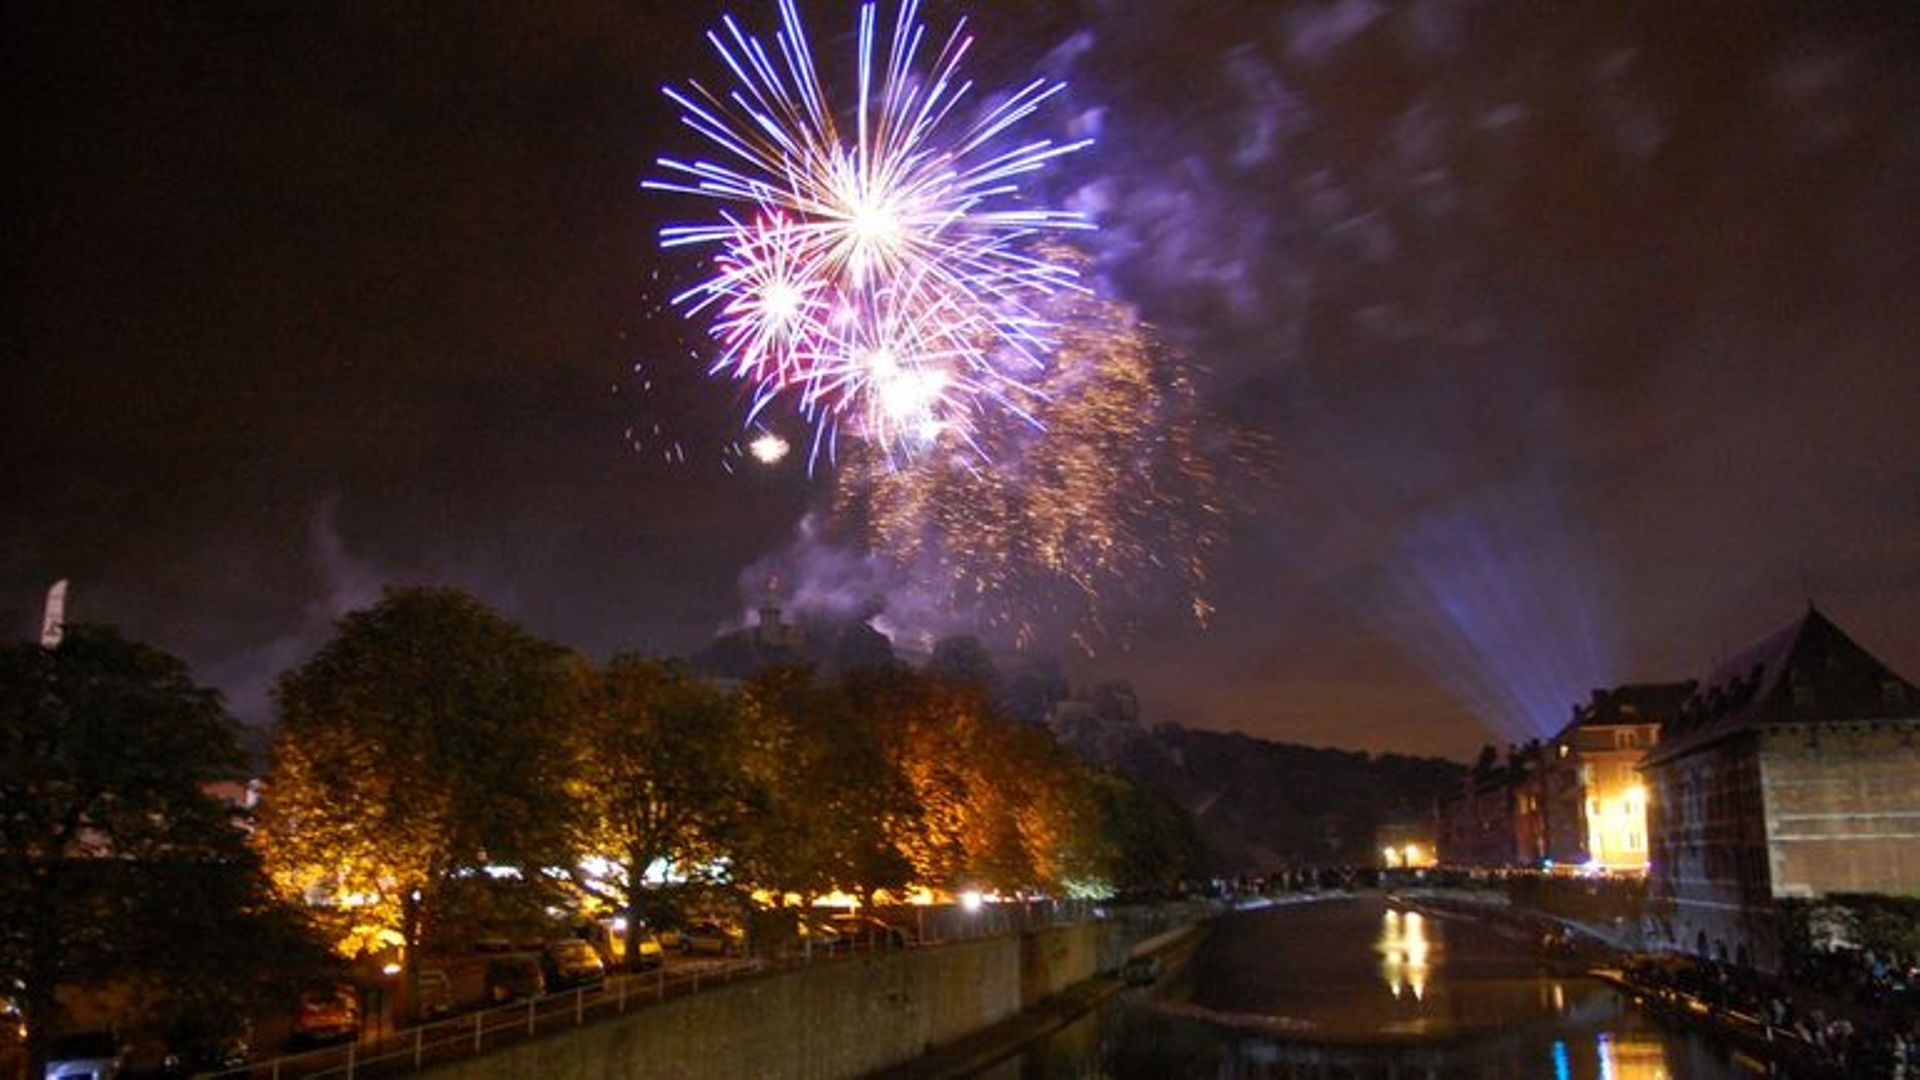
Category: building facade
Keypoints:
(1595, 798)
(1474, 826)
(1494, 820)
(1793, 773)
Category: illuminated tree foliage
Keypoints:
(833, 804)
(425, 743)
(660, 770)
(114, 861)
(431, 740)
(1002, 806)
(884, 778)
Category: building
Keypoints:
(1793, 772)
(1595, 801)
(1493, 821)
(824, 643)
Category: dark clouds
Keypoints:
(1579, 332)
(1584, 334)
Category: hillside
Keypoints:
(1259, 805)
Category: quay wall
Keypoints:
(844, 1017)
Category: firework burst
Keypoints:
(874, 265)
(1116, 493)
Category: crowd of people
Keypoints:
(1876, 979)
(1857, 1020)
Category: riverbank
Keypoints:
(1824, 1038)
(1780, 1052)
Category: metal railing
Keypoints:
(475, 1033)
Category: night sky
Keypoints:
(1585, 338)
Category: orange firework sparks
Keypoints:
(1111, 493)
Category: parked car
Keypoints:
(86, 1055)
(868, 932)
(326, 1014)
(514, 977)
(194, 1049)
(818, 935)
(434, 994)
(647, 944)
(713, 937)
(572, 962)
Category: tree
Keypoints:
(661, 773)
(1154, 841)
(426, 742)
(1042, 821)
(107, 748)
(929, 747)
(834, 803)
(997, 802)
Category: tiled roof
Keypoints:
(1637, 703)
(1629, 703)
(1806, 672)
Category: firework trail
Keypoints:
(874, 267)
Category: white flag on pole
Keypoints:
(53, 625)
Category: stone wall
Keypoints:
(1058, 957)
(844, 1017)
(838, 1018)
(1843, 809)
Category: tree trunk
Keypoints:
(630, 947)
(410, 949)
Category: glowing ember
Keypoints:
(768, 449)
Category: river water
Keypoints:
(1357, 988)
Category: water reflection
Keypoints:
(1355, 990)
(1403, 949)
(1616, 1056)
(1631, 1058)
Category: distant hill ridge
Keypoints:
(1259, 805)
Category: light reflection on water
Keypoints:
(1358, 989)
(1404, 949)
